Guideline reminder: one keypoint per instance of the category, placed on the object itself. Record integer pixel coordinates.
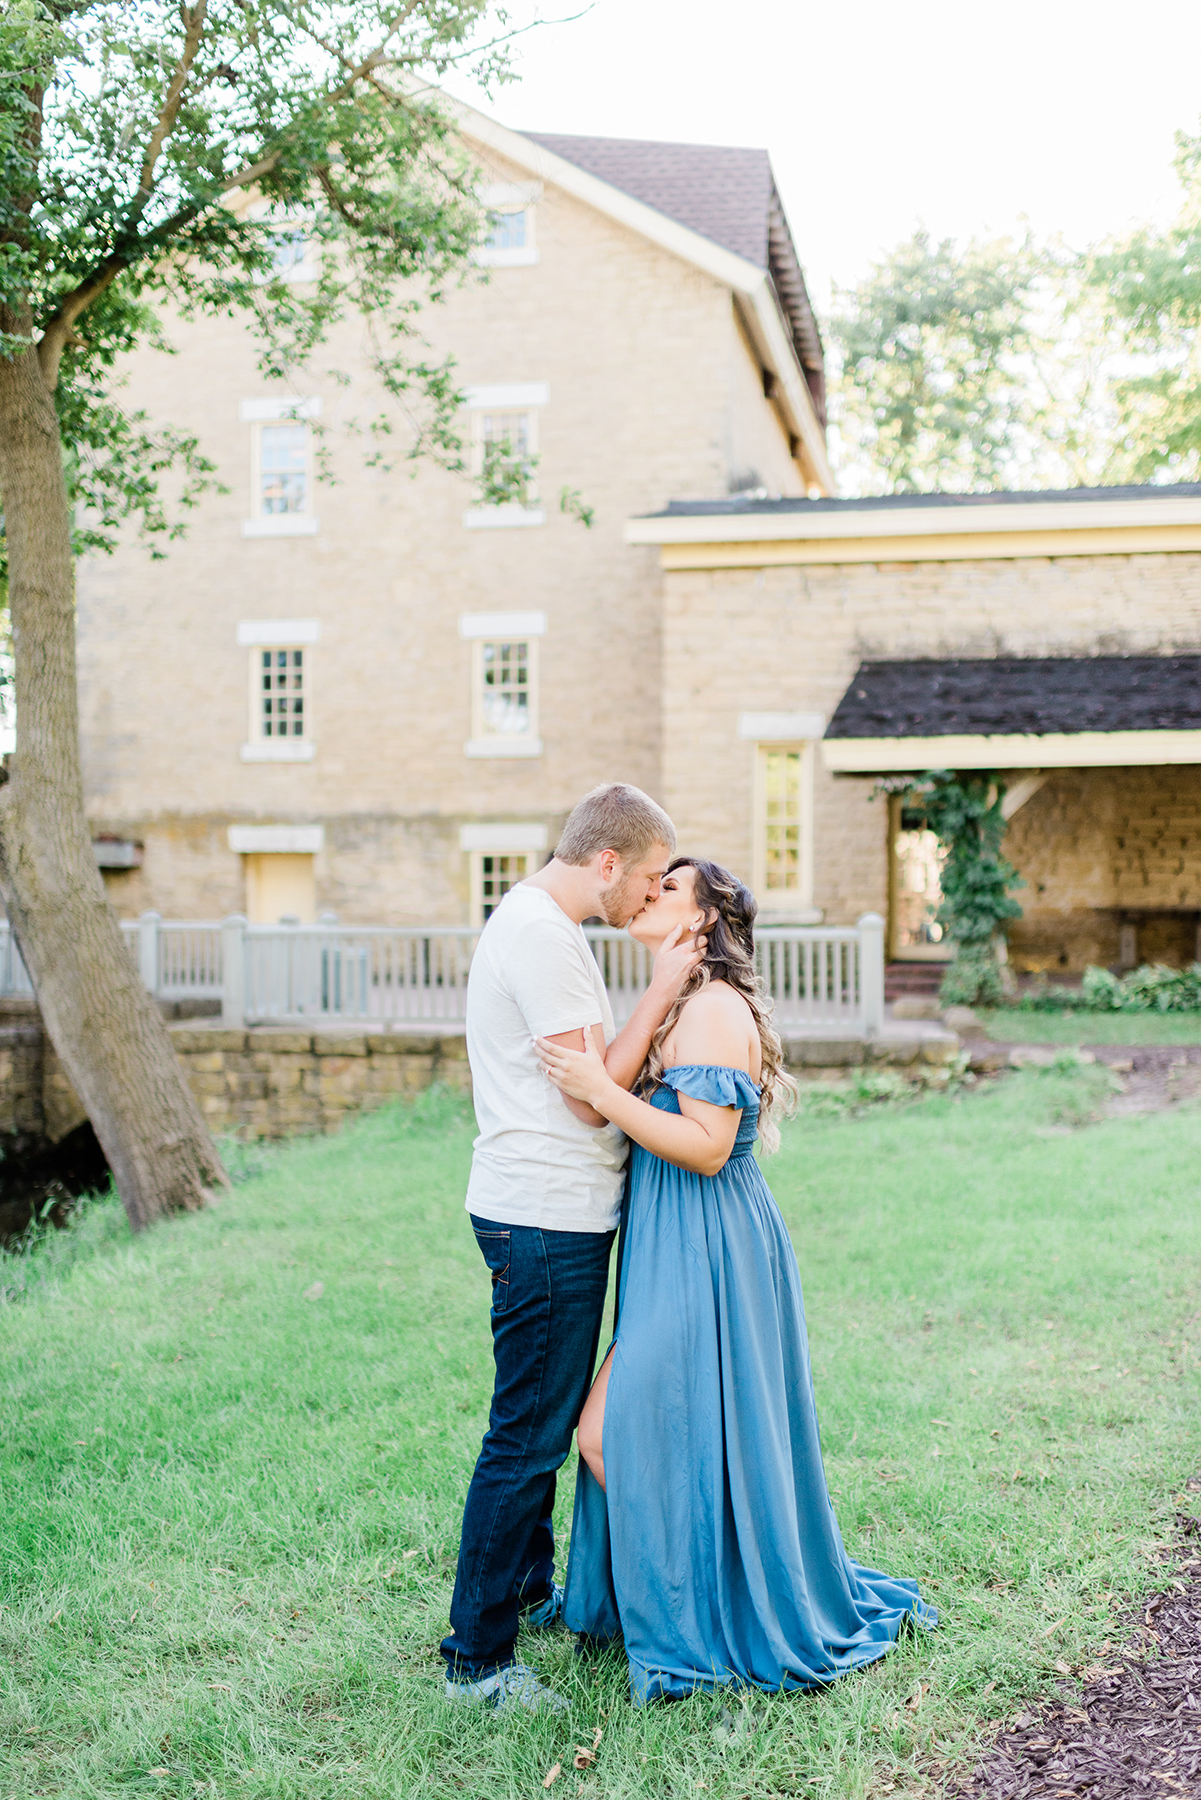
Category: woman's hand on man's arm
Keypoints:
(699, 1137)
(593, 1036)
(677, 956)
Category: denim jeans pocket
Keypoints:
(495, 1248)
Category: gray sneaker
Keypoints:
(517, 1685)
(547, 1612)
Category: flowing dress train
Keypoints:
(715, 1552)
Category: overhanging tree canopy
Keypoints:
(150, 156)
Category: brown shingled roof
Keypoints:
(726, 195)
(1020, 695)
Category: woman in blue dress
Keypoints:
(703, 1532)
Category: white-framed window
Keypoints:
(504, 682)
(513, 432)
(509, 237)
(281, 682)
(295, 248)
(291, 251)
(280, 693)
(505, 454)
(281, 467)
(499, 857)
(785, 756)
(505, 688)
(494, 872)
(783, 814)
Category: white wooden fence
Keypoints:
(820, 977)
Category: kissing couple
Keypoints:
(703, 1535)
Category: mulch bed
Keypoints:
(1134, 1727)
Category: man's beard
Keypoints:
(616, 907)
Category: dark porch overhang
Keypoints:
(1017, 712)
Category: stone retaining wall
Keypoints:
(281, 1081)
(286, 1082)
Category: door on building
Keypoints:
(280, 886)
(915, 889)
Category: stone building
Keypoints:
(380, 697)
(811, 647)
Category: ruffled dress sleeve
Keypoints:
(713, 1082)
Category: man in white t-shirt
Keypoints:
(544, 1199)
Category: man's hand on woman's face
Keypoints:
(581, 1074)
(675, 959)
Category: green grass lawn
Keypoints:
(235, 1452)
(1008, 1026)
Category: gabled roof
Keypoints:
(768, 293)
(727, 195)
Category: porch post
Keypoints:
(233, 971)
(871, 973)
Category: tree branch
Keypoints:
(57, 332)
(193, 22)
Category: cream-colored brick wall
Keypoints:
(1093, 842)
(788, 639)
(653, 396)
(757, 452)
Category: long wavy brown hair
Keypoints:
(729, 910)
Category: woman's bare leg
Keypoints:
(590, 1431)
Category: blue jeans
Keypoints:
(548, 1294)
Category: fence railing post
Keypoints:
(233, 970)
(148, 926)
(871, 972)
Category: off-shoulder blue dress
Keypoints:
(715, 1551)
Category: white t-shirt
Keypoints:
(533, 975)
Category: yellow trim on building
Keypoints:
(984, 546)
(1055, 750)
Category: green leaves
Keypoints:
(506, 474)
(931, 388)
(160, 158)
(963, 810)
(1150, 285)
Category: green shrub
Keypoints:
(1152, 988)
(973, 979)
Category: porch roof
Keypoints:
(1007, 712)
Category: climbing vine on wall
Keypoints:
(963, 810)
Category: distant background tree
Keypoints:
(929, 393)
(966, 368)
(1150, 287)
(151, 156)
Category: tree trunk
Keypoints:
(105, 1026)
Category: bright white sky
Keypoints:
(958, 116)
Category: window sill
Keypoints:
(498, 518)
(279, 750)
(308, 270)
(281, 525)
(776, 911)
(499, 746)
(523, 258)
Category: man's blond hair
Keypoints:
(615, 817)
